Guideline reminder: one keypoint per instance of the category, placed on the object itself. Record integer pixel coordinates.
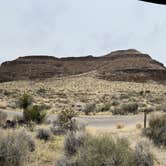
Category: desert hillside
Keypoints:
(124, 65)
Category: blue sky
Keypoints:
(80, 27)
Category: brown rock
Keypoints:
(123, 65)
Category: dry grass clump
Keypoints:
(15, 147)
(143, 154)
(44, 134)
(104, 150)
(90, 108)
(157, 129)
(120, 126)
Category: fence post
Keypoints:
(145, 119)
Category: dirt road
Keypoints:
(95, 121)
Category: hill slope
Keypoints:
(124, 65)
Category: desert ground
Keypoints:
(76, 92)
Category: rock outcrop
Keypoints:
(124, 65)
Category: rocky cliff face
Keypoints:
(124, 65)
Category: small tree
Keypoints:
(25, 101)
(31, 112)
(34, 113)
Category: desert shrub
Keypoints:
(44, 134)
(130, 108)
(114, 102)
(89, 108)
(31, 126)
(161, 107)
(3, 118)
(45, 107)
(14, 148)
(25, 101)
(118, 111)
(10, 124)
(35, 114)
(157, 129)
(73, 141)
(143, 156)
(104, 151)
(124, 96)
(105, 107)
(120, 126)
(28, 140)
(65, 120)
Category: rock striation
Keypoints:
(124, 65)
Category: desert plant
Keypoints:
(90, 107)
(104, 151)
(105, 107)
(73, 141)
(14, 148)
(120, 126)
(143, 156)
(34, 113)
(65, 120)
(44, 134)
(114, 102)
(25, 101)
(130, 108)
(117, 111)
(157, 129)
(3, 118)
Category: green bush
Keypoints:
(130, 108)
(25, 101)
(125, 109)
(35, 114)
(117, 111)
(157, 129)
(15, 148)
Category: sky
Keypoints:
(64, 28)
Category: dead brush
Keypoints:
(120, 126)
